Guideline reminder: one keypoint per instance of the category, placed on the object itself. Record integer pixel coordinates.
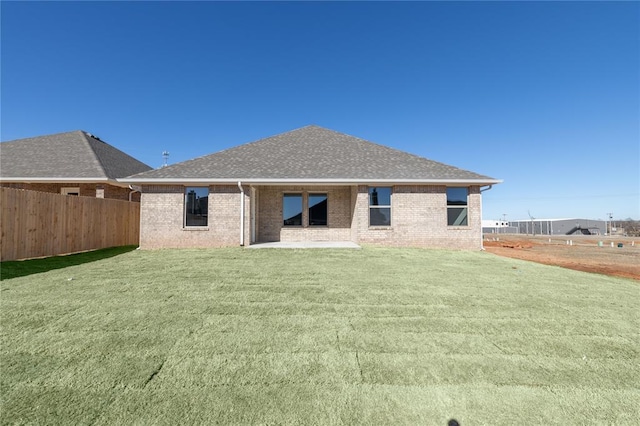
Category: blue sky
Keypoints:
(543, 95)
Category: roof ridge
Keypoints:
(42, 136)
(386, 147)
(269, 137)
(244, 144)
(86, 136)
(314, 152)
(67, 155)
(251, 143)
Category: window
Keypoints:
(380, 206)
(196, 206)
(292, 209)
(457, 206)
(317, 209)
(70, 191)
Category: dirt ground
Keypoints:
(583, 253)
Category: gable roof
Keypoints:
(66, 156)
(310, 154)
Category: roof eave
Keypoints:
(62, 180)
(254, 181)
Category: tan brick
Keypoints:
(418, 217)
(270, 220)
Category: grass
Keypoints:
(22, 268)
(372, 336)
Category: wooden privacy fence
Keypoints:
(36, 224)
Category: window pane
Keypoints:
(380, 216)
(292, 209)
(457, 196)
(318, 209)
(380, 196)
(457, 216)
(196, 206)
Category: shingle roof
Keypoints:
(67, 155)
(311, 153)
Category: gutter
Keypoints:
(266, 181)
(241, 213)
(55, 179)
(115, 182)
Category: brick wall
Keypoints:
(162, 217)
(418, 217)
(270, 221)
(86, 189)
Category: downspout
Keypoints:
(132, 191)
(241, 213)
(481, 236)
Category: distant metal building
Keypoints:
(559, 226)
(497, 227)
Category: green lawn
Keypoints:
(371, 336)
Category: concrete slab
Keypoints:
(306, 245)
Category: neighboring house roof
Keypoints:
(70, 156)
(311, 154)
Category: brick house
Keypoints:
(72, 163)
(311, 184)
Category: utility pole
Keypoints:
(610, 222)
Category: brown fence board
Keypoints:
(36, 224)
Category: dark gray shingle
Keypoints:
(311, 152)
(67, 155)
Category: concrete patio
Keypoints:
(306, 245)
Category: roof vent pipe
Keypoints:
(241, 213)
